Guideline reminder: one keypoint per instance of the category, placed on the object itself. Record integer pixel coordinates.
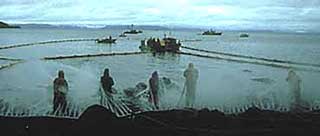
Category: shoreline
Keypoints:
(97, 120)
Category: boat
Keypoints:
(106, 40)
(167, 44)
(244, 35)
(211, 32)
(132, 31)
(122, 35)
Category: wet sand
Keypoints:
(97, 120)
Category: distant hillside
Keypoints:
(100, 26)
(5, 25)
(149, 27)
(38, 26)
(144, 27)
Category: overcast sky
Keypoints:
(260, 14)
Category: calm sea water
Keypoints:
(220, 82)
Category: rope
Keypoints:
(45, 42)
(182, 94)
(9, 65)
(10, 59)
(92, 55)
(250, 62)
(251, 57)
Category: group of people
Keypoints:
(154, 43)
(60, 86)
(191, 75)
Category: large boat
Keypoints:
(106, 40)
(167, 44)
(211, 32)
(132, 31)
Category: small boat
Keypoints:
(122, 35)
(167, 44)
(211, 32)
(106, 40)
(244, 35)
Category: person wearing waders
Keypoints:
(154, 88)
(191, 74)
(294, 83)
(107, 82)
(60, 87)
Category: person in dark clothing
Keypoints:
(154, 88)
(60, 87)
(107, 82)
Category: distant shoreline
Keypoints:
(97, 120)
(146, 27)
(5, 25)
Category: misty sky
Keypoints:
(247, 14)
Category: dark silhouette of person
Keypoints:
(107, 82)
(60, 87)
(154, 88)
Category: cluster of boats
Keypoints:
(166, 44)
(110, 40)
(211, 32)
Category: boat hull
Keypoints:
(106, 40)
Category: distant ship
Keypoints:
(211, 32)
(167, 44)
(244, 35)
(132, 31)
(106, 40)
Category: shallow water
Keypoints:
(221, 83)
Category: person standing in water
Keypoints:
(191, 74)
(154, 89)
(107, 82)
(60, 87)
(294, 82)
